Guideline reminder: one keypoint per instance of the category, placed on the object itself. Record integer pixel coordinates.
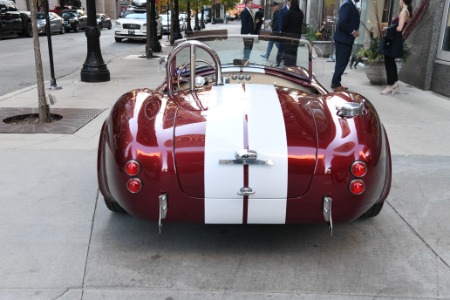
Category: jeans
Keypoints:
(269, 48)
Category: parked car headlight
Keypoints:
(117, 23)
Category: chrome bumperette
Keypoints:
(327, 202)
(162, 209)
(351, 109)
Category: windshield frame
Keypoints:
(212, 37)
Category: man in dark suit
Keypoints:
(248, 26)
(283, 11)
(344, 37)
(259, 19)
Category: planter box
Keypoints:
(325, 47)
(376, 72)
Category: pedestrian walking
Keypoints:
(344, 38)
(274, 21)
(283, 11)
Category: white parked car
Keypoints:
(166, 21)
(134, 27)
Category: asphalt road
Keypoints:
(69, 53)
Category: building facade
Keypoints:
(429, 64)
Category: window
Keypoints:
(329, 10)
(387, 11)
(444, 40)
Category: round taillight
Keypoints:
(357, 186)
(359, 169)
(132, 168)
(134, 185)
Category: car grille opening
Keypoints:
(131, 26)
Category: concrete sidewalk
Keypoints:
(60, 242)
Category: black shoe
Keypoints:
(340, 89)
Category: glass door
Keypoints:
(444, 39)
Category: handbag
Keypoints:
(383, 44)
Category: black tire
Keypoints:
(109, 26)
(28, 30)
(118, 40)
(114, 206)
(76, 27)
(373, 211)
(100, 26)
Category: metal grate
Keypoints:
(131, 26)
(72, 120)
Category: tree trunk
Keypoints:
(44, 111)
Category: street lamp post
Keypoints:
(175, 24)
(197, 25)
(188, 19)
(213, 12)
(168, 18)
(153, 44)
(94, 68)
(202, 21)
(53, 84)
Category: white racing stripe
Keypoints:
(225, 135)
(267, 136)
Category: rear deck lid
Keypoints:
(253, 140)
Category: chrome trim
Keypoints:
(246, 157)
(192, 44)
(245, 162)
(351, 109)
(246, 154)
(327, 203)
(245, 191)
(163, 207)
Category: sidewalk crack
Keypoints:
(416, 233)
(89, 244)
(62, 295)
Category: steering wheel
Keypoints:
(183, 67)
(193, 45)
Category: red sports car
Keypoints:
(234, 140)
